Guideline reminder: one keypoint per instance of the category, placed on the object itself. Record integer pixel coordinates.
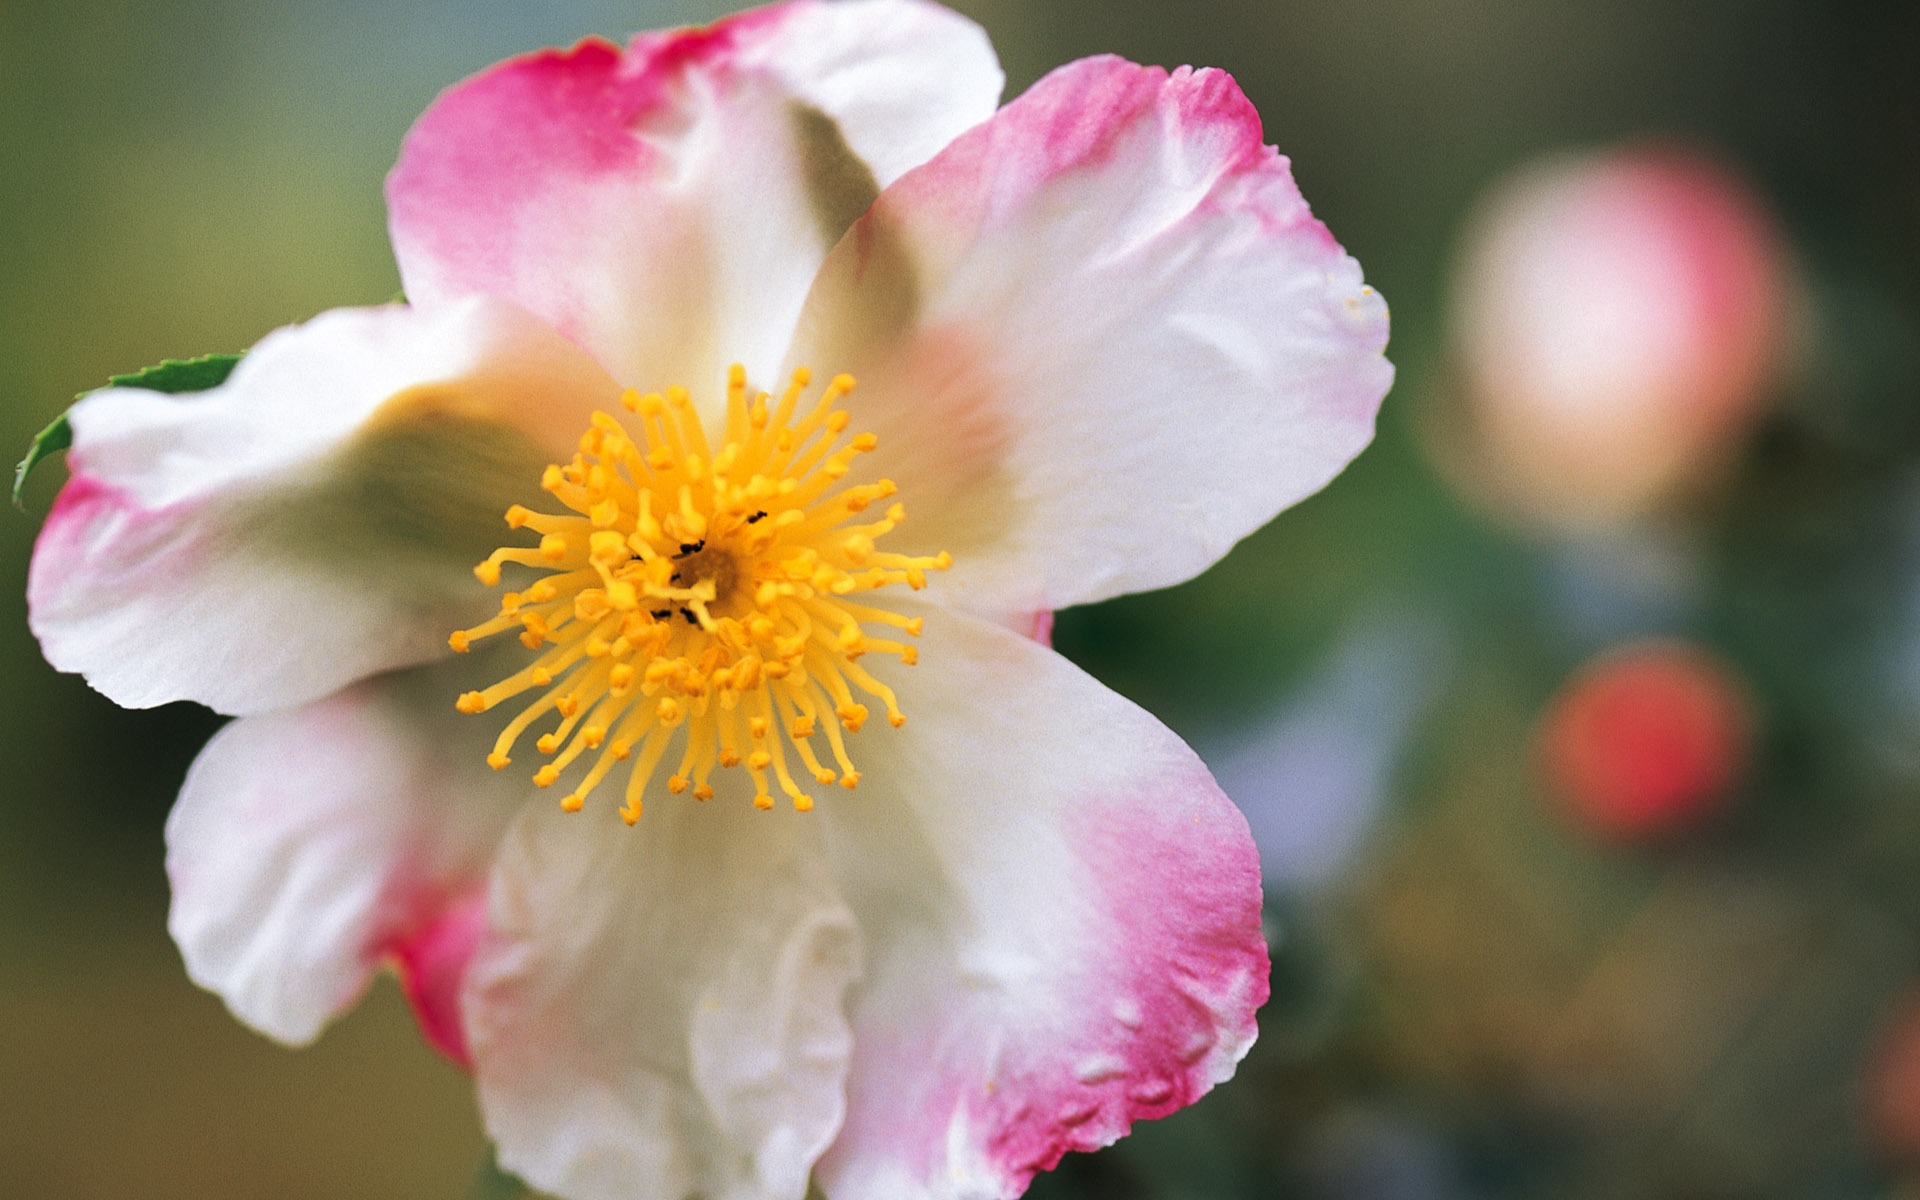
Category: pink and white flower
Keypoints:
(1097, 338)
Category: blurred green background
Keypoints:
(1474, 995)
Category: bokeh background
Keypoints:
(1589, 795)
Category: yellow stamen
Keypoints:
(703, 597)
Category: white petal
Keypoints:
(1061, 916)
(902, 79)
(310, 845)
(667, 205)
(1100, 338)
(311, 521)
(661, 1014)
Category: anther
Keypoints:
(750, 539)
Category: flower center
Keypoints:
(703, 599)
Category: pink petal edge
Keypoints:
(1040, 628)
(1174, 1044)
(1189, 1026)
(431, 963)
(581, 183)
(1097, 956)
(1208, 267)
(82, 500)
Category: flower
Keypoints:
(1618, 320)
(751, 332)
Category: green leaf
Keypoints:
(492, 1183)
(55, 437)
(173, 376)
(176, 375)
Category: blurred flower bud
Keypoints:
(1891, 1078)
(1646, 740)
(1617, 319)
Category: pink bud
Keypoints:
(1617, 321)
(1646, 741)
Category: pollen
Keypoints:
(699, 609)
